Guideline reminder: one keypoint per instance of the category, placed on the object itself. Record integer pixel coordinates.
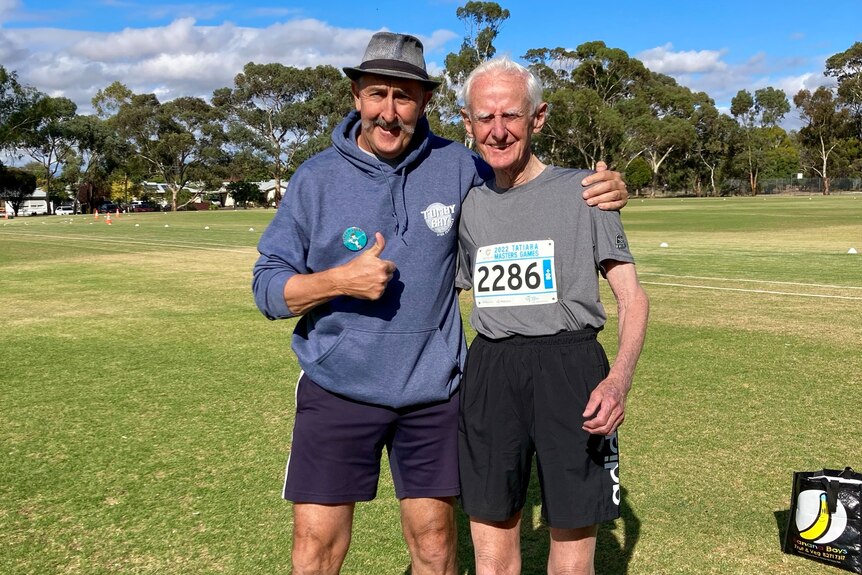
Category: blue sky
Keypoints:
(73, 48)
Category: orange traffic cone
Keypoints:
(118, 212)
(95, 214)
(108, 218)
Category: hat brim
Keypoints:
(356, 73)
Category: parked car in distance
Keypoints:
(24, 212)
(65, 210)
(108, 207)
(144, 207)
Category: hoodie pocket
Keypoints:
(390, 368)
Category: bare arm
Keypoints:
(365, 277)
(605, 410)
(605, 189)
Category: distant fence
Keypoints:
(804, 186)
(739, 187)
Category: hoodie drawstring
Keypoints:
(399, 230)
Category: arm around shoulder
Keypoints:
(605, 189)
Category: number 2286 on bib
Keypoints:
(514, 274)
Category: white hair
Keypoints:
(505, 66)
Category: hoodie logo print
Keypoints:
(439, 218)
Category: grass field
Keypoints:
(146, 405)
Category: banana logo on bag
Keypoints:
(813, 520)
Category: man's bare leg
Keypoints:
(321, 537)
(497, 545)
(573, 551)
(429, 529)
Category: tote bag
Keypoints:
(826, 518)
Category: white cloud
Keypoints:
(8, 5)
(138, 42)
(664, 60)
(708, 71)
(181, 58)
(7, 9)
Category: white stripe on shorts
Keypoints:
(287, 467)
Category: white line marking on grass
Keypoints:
(93, 239)
(822, 296)
(740, 280)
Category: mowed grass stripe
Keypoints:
(130, 242)
(740, 280)
(754, 291)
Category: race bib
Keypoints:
(518, 273)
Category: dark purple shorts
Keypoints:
(337, 444)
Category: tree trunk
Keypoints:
(752, 182)
(752, 173)
(825, 156)
(712, 182)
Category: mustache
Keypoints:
(381, 123)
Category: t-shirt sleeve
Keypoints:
(609, 238)
(466, 249)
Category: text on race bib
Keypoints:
(515, 274)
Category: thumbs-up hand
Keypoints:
(367, 275)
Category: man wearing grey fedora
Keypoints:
(362, 250)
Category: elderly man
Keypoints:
(363, 249)
(537, 381)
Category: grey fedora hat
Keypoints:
(395, 55)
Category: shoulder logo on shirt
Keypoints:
(621, 242)
(439, 218)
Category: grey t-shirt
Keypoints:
(522, 219)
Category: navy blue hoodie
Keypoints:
(407, 348)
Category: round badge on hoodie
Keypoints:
(354, 239)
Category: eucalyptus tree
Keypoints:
(47, 138)
(826, 126)
(660, 122)
(179, 141)
(278, 111)
(100, 155)
(14, 100)
(713, 147)
(16, 185)
(482, 24)
(586, 89)
(127, 169)
(758, 117)
(846, 68)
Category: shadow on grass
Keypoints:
(781, 518)
(615, 542)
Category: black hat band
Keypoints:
(395, 66)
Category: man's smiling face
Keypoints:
(390, 109)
